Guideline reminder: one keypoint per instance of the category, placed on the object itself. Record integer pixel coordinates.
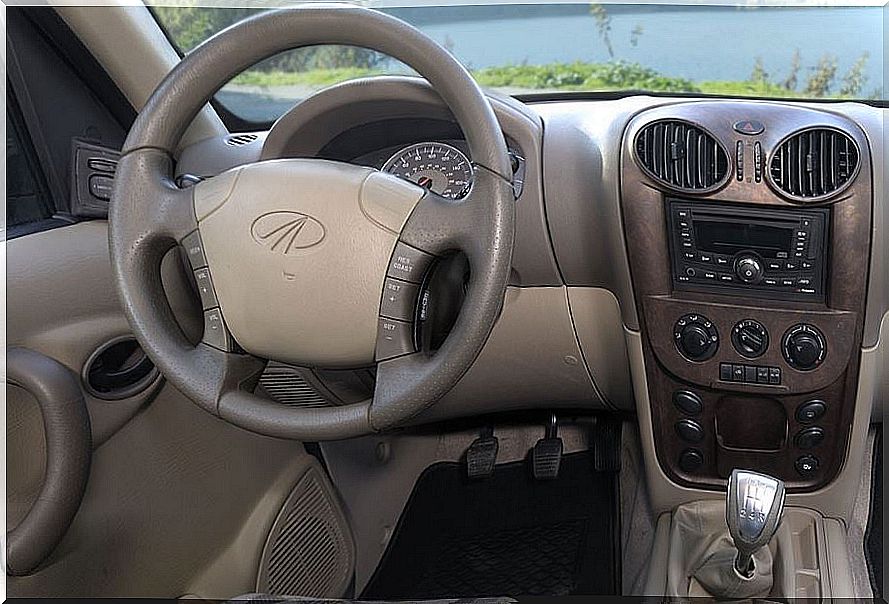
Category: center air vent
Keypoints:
(814, 164)
(682, 156)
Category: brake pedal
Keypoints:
(481, 456)
(546, 457)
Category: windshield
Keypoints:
(808, 52)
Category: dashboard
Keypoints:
(717, 267)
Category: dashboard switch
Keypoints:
(688, 402)
(806, 465)
(690, 431)
(809, 438)
(810, 411)
(690, 460)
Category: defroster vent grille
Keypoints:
(682, 156)
(814, 164)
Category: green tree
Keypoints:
(603, 25)
(188, 26)
(792, 79)
(822, 77)
(759, 74)
(855, 78)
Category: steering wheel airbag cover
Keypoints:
(299, 250)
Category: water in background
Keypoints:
(698, 43)
(693, 42)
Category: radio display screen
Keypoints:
(731, 237)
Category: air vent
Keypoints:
(682, 156)
(814, 164)
(286, 386)
(240, 139)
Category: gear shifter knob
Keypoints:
(754, 504)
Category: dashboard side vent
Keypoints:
(682, 155)
(815, 163)
(240, 139)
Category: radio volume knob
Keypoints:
(749, 269)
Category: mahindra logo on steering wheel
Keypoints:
(287, 232)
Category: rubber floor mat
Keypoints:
(507, 535)
(874, 537)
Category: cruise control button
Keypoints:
(408, 264)
(205, 288)
(215, 332)
(394, 338)
(194, 249)
(399, 299)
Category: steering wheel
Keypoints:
(292, 256)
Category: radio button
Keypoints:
(689, 255)
(787, 282)
(806, 265)
(706, 258)
(726, 277)
(691, 272)
(791, 266)
(774, 266)
(721, 260)
(770, 281)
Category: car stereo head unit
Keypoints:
(778, 254)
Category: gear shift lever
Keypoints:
(753, 509)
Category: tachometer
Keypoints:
(438, 167)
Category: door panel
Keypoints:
(177, 501)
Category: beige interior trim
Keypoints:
(127, 41)
(597, 320)
(835, 500)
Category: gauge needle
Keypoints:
(425, 182)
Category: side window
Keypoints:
(26, 197)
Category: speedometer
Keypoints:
(438, 167)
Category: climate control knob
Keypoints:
(804, 347)
(695, 337)
(750, 338)
(749, 269)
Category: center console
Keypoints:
(748, 235)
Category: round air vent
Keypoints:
(682, 155)
(118, 369)
(814, 164)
